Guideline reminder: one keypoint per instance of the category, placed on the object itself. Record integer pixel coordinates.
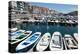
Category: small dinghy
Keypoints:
(28, 43)
(70, 42)
(56, 41)
(13, 29)
(16, 33)
(19, 36)
(44, 42)
(76, 36)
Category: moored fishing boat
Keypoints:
(56, 42)
(44, 42)
(76, 36)
(70, 42)
(13, 29)
(28, 43)
(19, 36)
(16, 33)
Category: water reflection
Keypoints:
(46, 27)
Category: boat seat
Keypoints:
(25, 43)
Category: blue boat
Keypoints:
(19, 36)
(16, 33)
(28, 43)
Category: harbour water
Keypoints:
(51, 28)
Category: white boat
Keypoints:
(70, 21)
(19, 36)
(56, 42)
(28, 43)
(76, 36)
(13, 35)
(70, 42)
(57, 21)
(67, 21)
(16, 33)
(44, 42)
(13, 29)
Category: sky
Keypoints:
(63, 8)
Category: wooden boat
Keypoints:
(28, 43)
(56, 41)
(70, 42)
(16, 33)
(44, 42)
(76, 36)
(19, 36)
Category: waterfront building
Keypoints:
(26, 11)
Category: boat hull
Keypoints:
(28, 43)
(25, 49)
(19, 40)
(45, 43)
(54, 47)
